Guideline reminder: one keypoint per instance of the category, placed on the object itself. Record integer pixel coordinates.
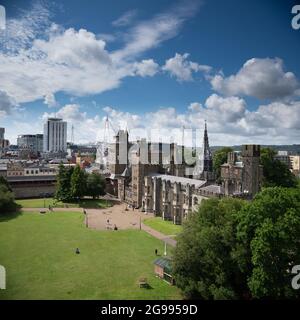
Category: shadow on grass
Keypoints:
(147, 286)
(11, 215)
(96, 204)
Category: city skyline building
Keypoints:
(2, 131)
(55, 135)
(32, 142)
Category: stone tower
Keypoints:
(204, 165)
(252, 172)
(118, 158)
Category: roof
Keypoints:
(38, 166)
(182, 180)
(238, 164)
(214, 189)
(31, 178)
(126, 172)
(165, 263)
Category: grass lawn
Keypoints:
(165, 227)
(38, 252)
(85, 203)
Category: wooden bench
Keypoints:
(143, 282)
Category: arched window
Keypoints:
(195, 201)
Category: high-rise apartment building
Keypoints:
(55, 135)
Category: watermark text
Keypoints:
(296, 18)
(2, 18)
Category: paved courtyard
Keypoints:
(105, 219)
(117, 215)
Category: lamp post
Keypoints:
(165, 252)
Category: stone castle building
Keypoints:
(151, 177)
(242, 177)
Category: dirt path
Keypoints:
(156, 234)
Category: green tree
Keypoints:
(269, 232)
(3, 181)
(219, 158)
(233, 249)
(95, 185)
(78, 183)
(63, 188)
(276, 173)
(7, 199)
(205, 259)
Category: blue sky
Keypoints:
(159, 65)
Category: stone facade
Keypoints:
(242, 177)
(15, 169)
(173, 198)
(153, 185)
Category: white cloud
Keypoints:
(146, 68)
(229, 109)
(7, 104)
(260, 78)
(125, 19)
(21, 31)
(123, 120)
(151, 33)
(86, 129)
(182, 69)
(47, 59)
(75, 62)
(229, 122)
(195, 106)
(50, 100)
(70, 112)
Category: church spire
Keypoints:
(206, 149)
(203, 168)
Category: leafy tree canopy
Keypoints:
(75, 183)
(7, 199)
(232, 249)
(276, 173)
(95, 185)
(204, 259)
(269, 231)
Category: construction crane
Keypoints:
(103, 146)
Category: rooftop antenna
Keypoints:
(72, 135)
(182, 147)
(182, 136)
